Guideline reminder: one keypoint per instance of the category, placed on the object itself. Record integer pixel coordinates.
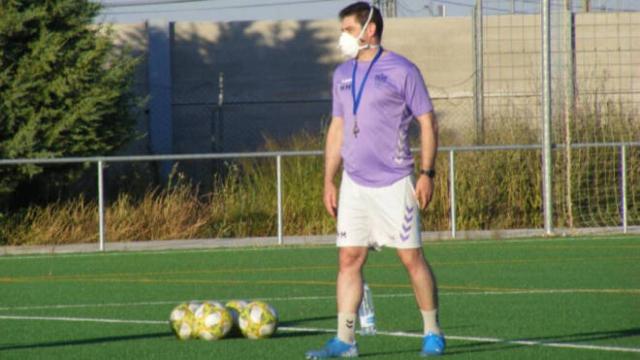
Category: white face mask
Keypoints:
(350, 45)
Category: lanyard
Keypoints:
(357, 97)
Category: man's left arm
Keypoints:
(428, 150)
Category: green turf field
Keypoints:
(520, 299)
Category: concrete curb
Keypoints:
(272, 241)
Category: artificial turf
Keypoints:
(576, 291)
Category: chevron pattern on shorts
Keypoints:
(407, 224)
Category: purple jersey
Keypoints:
(394, 93)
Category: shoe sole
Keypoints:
(319, 358)
(427, 354)
(311, 357)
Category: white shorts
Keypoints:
(376, 217)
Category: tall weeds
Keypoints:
(495, 190)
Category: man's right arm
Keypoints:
(332, 161)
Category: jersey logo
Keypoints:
(345, 84)
(381, 77)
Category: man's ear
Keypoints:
(371, 29)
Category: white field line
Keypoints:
(385, 333)
(75, 319)
(485, 340)
(332, 297)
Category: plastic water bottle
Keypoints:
(366, 312)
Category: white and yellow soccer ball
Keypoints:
(216, 304)
(194, 305)
(212, 321)
(235, 307)
(258, 320)
(182, 321)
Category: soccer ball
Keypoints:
(193, 306)
(235, 307)
(182, 320)
(258, 320)
(215, 304)
(212, 321)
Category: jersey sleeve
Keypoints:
(337, 108)
(416, 94)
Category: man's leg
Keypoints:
(424, 286)
(426, 292)
(422, 278)
(348, 297)
(353, 231)
(349, 290)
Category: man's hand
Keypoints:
(424, 191)
(332, 160)
(331, 199)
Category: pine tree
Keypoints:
(64, 86)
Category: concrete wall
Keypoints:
(267, 63)
(134, 38)
(606, 47)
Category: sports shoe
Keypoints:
(433, 344)
(333, 348)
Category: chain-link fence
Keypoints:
(497, 100)
(595, 75)
(595, 85)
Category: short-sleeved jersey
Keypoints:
(393, 95)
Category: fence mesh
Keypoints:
(596, 97)
(595, 65)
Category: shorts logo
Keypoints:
(342, 234)
(408, 223)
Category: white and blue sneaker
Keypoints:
(334, 348)
(433, 344)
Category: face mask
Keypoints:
(350, 45)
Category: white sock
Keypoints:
(430, 320)
(347, 327)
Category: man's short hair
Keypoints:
(361, 11)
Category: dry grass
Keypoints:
(58, 223)
(495, 190)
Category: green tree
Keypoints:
(64, 86)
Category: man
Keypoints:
(376, 94)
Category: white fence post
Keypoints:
(279, 187)
(101, 205)
(623, 169)
(547, 165)
(452, 192)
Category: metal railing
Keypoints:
(278, 155)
